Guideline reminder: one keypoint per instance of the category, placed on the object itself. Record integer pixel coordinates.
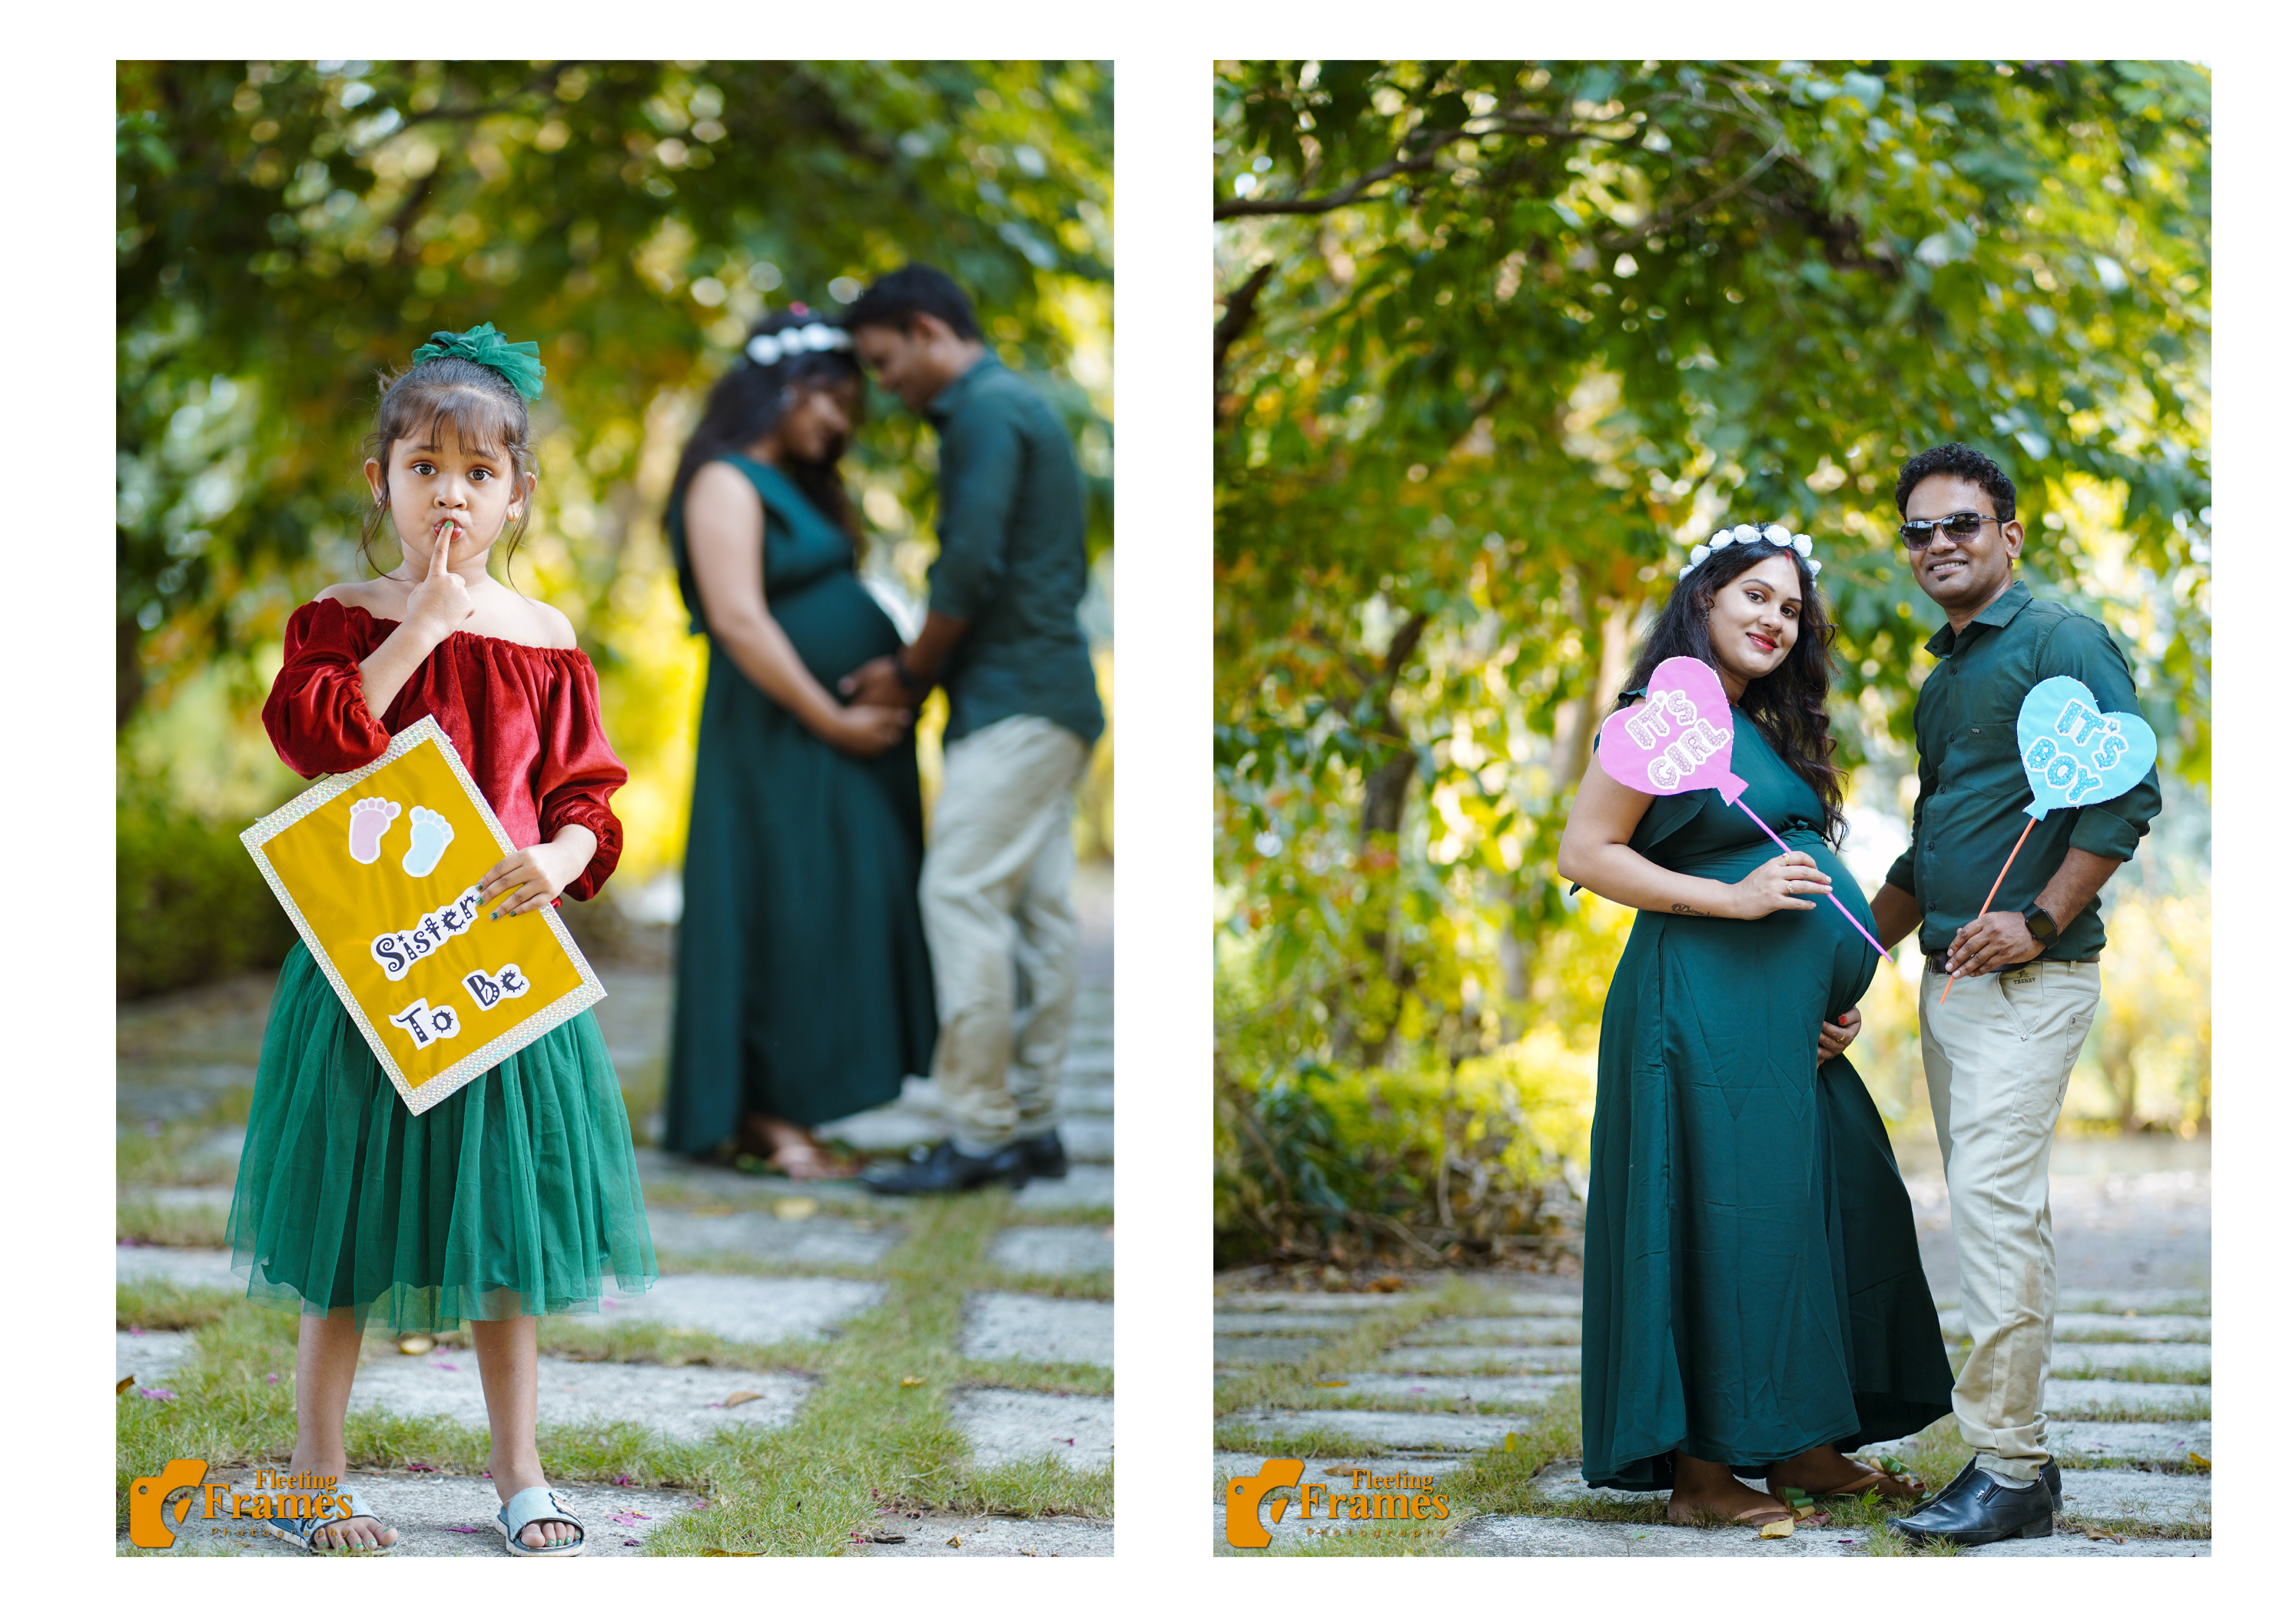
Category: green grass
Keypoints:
(2136, 1373)
(2138, 1411)
(2167, 1308)
(2138, 1529)
(1377, 1538)
(1503, 1481)
(1393, 1401)
(2069, 1461)
(172, 1156)
(863, 1440)
(1290, 1385)
(1297, 1443)
(154, 1304)
(179, 1226)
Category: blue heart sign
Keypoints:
(2075, 754)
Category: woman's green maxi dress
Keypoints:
(804, 989)
(1753, 1285)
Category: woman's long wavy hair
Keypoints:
(751, 399)
(1787, 705)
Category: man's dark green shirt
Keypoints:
(1011, 556)
(1973, 791)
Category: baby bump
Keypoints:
(834, 625)
(1816, 943)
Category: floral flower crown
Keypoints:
(815, 337)
(1775, 534)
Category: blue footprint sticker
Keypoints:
(428, 833)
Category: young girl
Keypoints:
(518, 1194)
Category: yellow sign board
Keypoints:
(380, 871)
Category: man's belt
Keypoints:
(1937, 964)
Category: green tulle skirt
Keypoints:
(516, 1196)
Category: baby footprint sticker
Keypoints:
(428, 833)
(369, 822)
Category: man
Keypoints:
(1023, 711)
(1998, 1051)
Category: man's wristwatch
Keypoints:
(912, 682)
(2043, 928)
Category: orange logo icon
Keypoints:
(147, 1501)
(1245, 1496)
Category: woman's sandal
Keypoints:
(1748, 1516)
(1890, 1478)
(304, 1532)
(538, 1504)
(800, 1163)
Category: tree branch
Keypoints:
(1242, 303)
(1659, 223)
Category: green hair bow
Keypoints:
(519, 363)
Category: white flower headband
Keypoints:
(816, 337)
(1774, 534)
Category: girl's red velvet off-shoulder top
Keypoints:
(524, 719)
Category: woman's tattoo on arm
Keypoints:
(1687, 908)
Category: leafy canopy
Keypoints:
(1498, 342)
(288, 230)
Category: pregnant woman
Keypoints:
(804, 990)
(1755, 1303)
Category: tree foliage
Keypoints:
(1496, 342)
(288, 230)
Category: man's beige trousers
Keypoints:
(1002, 933)
(1998, 1055)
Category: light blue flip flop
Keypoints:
(302, 1532)
(537, 1504)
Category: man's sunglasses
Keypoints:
(1961, 523)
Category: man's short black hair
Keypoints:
(1961, 461)
(896, 299)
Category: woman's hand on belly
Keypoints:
(1837, 1035)
(864, 731)
(1784, 882)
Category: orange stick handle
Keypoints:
(1989, 896)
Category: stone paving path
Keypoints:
(2121, 1398)
(178, 1056)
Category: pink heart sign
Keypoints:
(1679, 740)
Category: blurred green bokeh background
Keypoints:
(288, 230)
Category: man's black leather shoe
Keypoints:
(2054, 1477)
(945, 1169)
(1044, 1155)
(1977, 1508)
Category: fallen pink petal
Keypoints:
(423, 1468)
(462, 1529)
(156, 1394)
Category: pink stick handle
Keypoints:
(1830, 897)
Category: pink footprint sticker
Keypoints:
(369, 822)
